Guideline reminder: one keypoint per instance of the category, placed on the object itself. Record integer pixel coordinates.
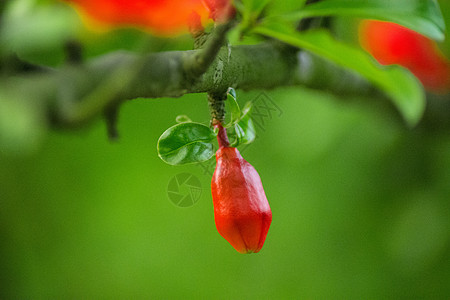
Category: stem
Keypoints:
(222, 137)
(217, 107)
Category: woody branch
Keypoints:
(77, 93)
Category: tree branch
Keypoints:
(74, 94)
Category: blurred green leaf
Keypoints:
(423, 16)
(401, 86)
(186, 143)
(250, 11)
(29, 29)
(253, 8)
(279, 7)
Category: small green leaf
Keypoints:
(233, 107)
(423, 16)
(243, 131)
(186, 143)
(232, 92)
(400, 85)
(183, 119)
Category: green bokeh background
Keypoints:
(360, 203)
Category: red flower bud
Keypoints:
(390, 43)
(242, 213)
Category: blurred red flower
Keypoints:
(390, 43)
(166, 17)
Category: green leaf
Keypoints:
(400, 85)
(186, 143)
(29, 29)
(423, 16)
(281, 7)
(250, 9)
(183, 119)
(254, 7)
(233, 107)
(244, 130)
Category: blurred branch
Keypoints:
(76, 93)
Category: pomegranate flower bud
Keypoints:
(242, 213)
